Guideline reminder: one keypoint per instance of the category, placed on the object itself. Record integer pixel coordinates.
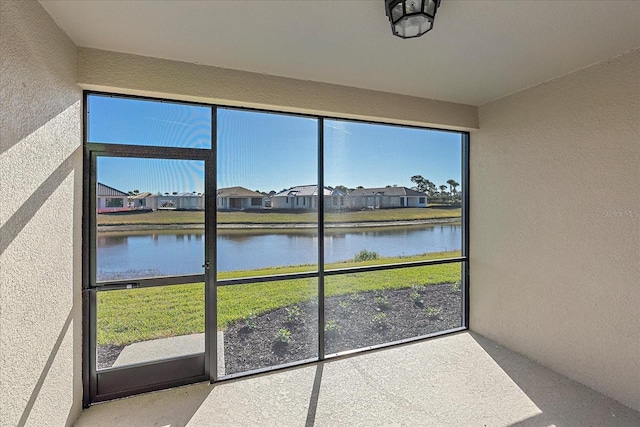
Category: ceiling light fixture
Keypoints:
(411, 18)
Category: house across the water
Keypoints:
(108, 199)
(386, 197)
(239, 198)
(159, 201)
(306, 197)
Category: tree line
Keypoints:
(436, 193)
(426, 186)
(443, 196)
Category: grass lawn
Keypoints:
(268, 217)
(128, 316)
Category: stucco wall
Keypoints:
(40, 220)
(555, 225)
(139, 75)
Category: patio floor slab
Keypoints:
(457, 380)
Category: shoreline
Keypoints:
(279, 226)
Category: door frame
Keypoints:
(154, 375)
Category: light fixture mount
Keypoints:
(411, 18)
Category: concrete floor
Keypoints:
(165, 348)
(457, 380)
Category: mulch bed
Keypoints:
(351, 326)
(107, 355)
(351, 318)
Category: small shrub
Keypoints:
(283, 336)
(365, 255)
(251, 321)
(331, 327)
(432, 312)
(381, 301)
(356, 297)
(418, 288)
(457, 286)
(380, 321)
(416, 298)
(294, 314)
(344, 304)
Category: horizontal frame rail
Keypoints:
(148, 151)
(197, 278)
(263, 279)
(148, 282)
(365, 269)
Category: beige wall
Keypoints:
(40, 220)
(555, 225)
(139, 75)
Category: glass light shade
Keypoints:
(411, 18)
(412, 26)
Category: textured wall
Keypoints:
(119, 72)
(555, 225)
(40, 220)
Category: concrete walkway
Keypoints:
(458, 380)
(165, 348)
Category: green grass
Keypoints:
(128, 316)
(269, 217)
(156, 217)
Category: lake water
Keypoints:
(138, 254)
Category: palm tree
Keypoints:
(443, 189)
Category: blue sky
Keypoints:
(263, 151)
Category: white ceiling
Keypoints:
(478, 50)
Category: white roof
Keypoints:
(309, 190)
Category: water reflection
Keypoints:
(138, 254)
(107, 241)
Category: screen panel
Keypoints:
(133, 121)
(157, 227)
(268, 324)
(267, 195)
(377, 307)
(396, 194)
(136, 326)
